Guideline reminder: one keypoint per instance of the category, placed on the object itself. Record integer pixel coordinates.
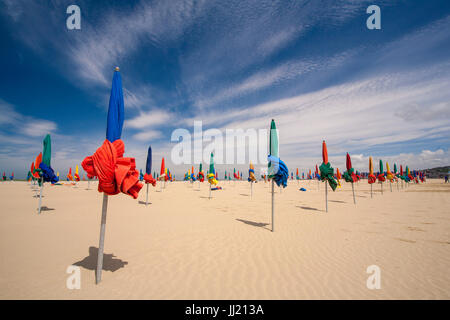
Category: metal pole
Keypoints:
(40, 195)
(146, 195)
(98, 277)
(273, 203)
(353, 190)
(210, 191)
(251, 189)
(371, 195)
(381, 187)
(390, 185)
(326, 195)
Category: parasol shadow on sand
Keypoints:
(308, 208)
(255, 224)
(110, 263)
(45, 208)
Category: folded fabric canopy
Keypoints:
(349, 175)
(148, 169)
(48, 174)
(76, 176)
(115, 173)
(371, 177)
(251, 173)
(381, 177)
(211, 175)
(69, 176)
(389, 174)
(162, 174)
(326, 171)
(201, 175)
(278, 171)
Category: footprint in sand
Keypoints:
(405, 240)
(441, 242)
(415, 229)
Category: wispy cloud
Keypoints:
(147, 135)
(16, 122)
(237, 64)
(148, 119)
(275, 76)
(39, 128)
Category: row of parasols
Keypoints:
(118, 174)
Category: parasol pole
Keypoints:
(273, 203)
(98, 274)
(40, 195)
(326, 195)
(390, 185)
(381, 187)
(353, 190)
(209, 191)
(251, 189)
(146, 195)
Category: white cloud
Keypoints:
(147, 135)
(286, 71)
(39, 128)
(359, 115)
(279, 40)
(21, 124)
(8, 114)
(148, 119)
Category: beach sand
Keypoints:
(185, 246)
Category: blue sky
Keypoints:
(311, 65)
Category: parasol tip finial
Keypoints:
(116, 69)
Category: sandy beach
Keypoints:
(185, 246)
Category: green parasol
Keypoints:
(47, 152)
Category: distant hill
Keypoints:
(438, 172)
